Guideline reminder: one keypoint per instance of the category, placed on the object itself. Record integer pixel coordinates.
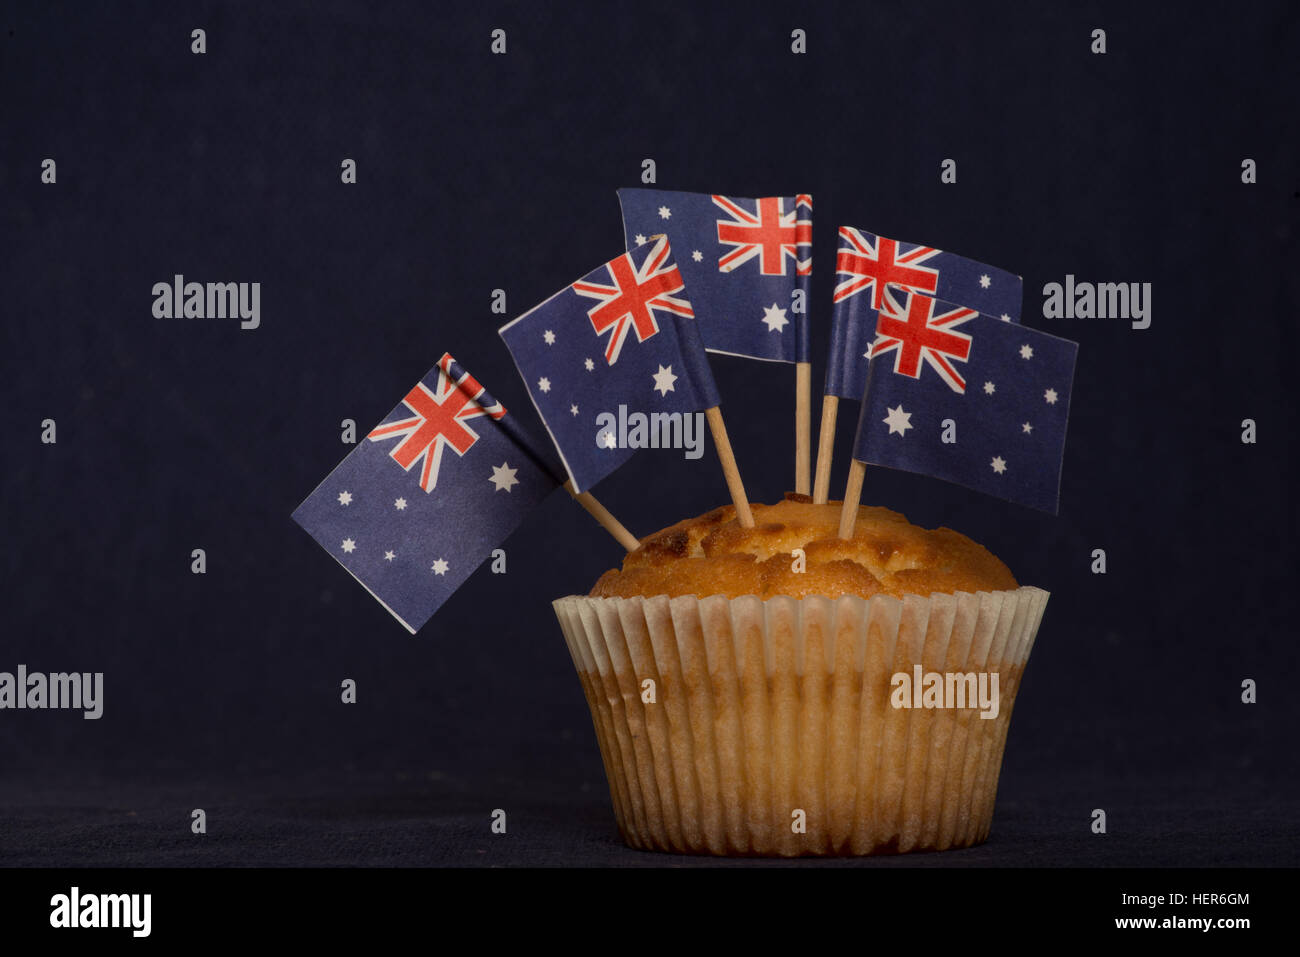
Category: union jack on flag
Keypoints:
(769, 232)
(407, 535)
(1009, 425)
(921, 329)
(746, 264)
(665, 372)
(439, 421)
(873, 265)
(867, 263)
(636, 293)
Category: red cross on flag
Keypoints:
(921, 330)
(438, 422)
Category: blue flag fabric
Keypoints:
(1005, 388)
(865, 263)
(622, 340)
(427, 495)
(741, 259)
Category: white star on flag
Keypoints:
(610, 442)
(1050, 396)
(1026, 351)
(588, 364)
(999, 465)
(984, 281)
(989, 388)
(544, 384)
(664, 380)
(1026, 428)
(1004, 317)
(349, 545)
(548, 337)
(399, 504)
(775, 318)
(898, 421)
(345, 498)
(697, 256)
(503, 477)
(573, 409)
(389, 556)
(639, 239)
(439, 567)
(664, 212)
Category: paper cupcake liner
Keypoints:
(764, 709)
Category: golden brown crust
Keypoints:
(713, 555)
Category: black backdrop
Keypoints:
(478, 171)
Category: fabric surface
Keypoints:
(415, 819)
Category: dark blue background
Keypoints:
(477, 172)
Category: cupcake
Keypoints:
(777, 690)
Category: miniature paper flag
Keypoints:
(865, 263)
(428, 494)
(620, 341)
(742, 261)
(1005, 388)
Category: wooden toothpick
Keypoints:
(826, 448)
(602, 515)
(802, 427)
(729, 470)
(852, 496)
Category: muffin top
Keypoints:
(713, 555)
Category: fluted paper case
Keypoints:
(751, 727)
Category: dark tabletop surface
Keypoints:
(437, 814)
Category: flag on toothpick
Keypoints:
(865, 263)
(429, 493)
(743, 261)
(747, 265)
(621, 340)
(967, 398)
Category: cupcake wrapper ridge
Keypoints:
(751, 727)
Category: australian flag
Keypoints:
(967, 398)
(621, 340)
(866, 263)
(742, 261)
(428, 494)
